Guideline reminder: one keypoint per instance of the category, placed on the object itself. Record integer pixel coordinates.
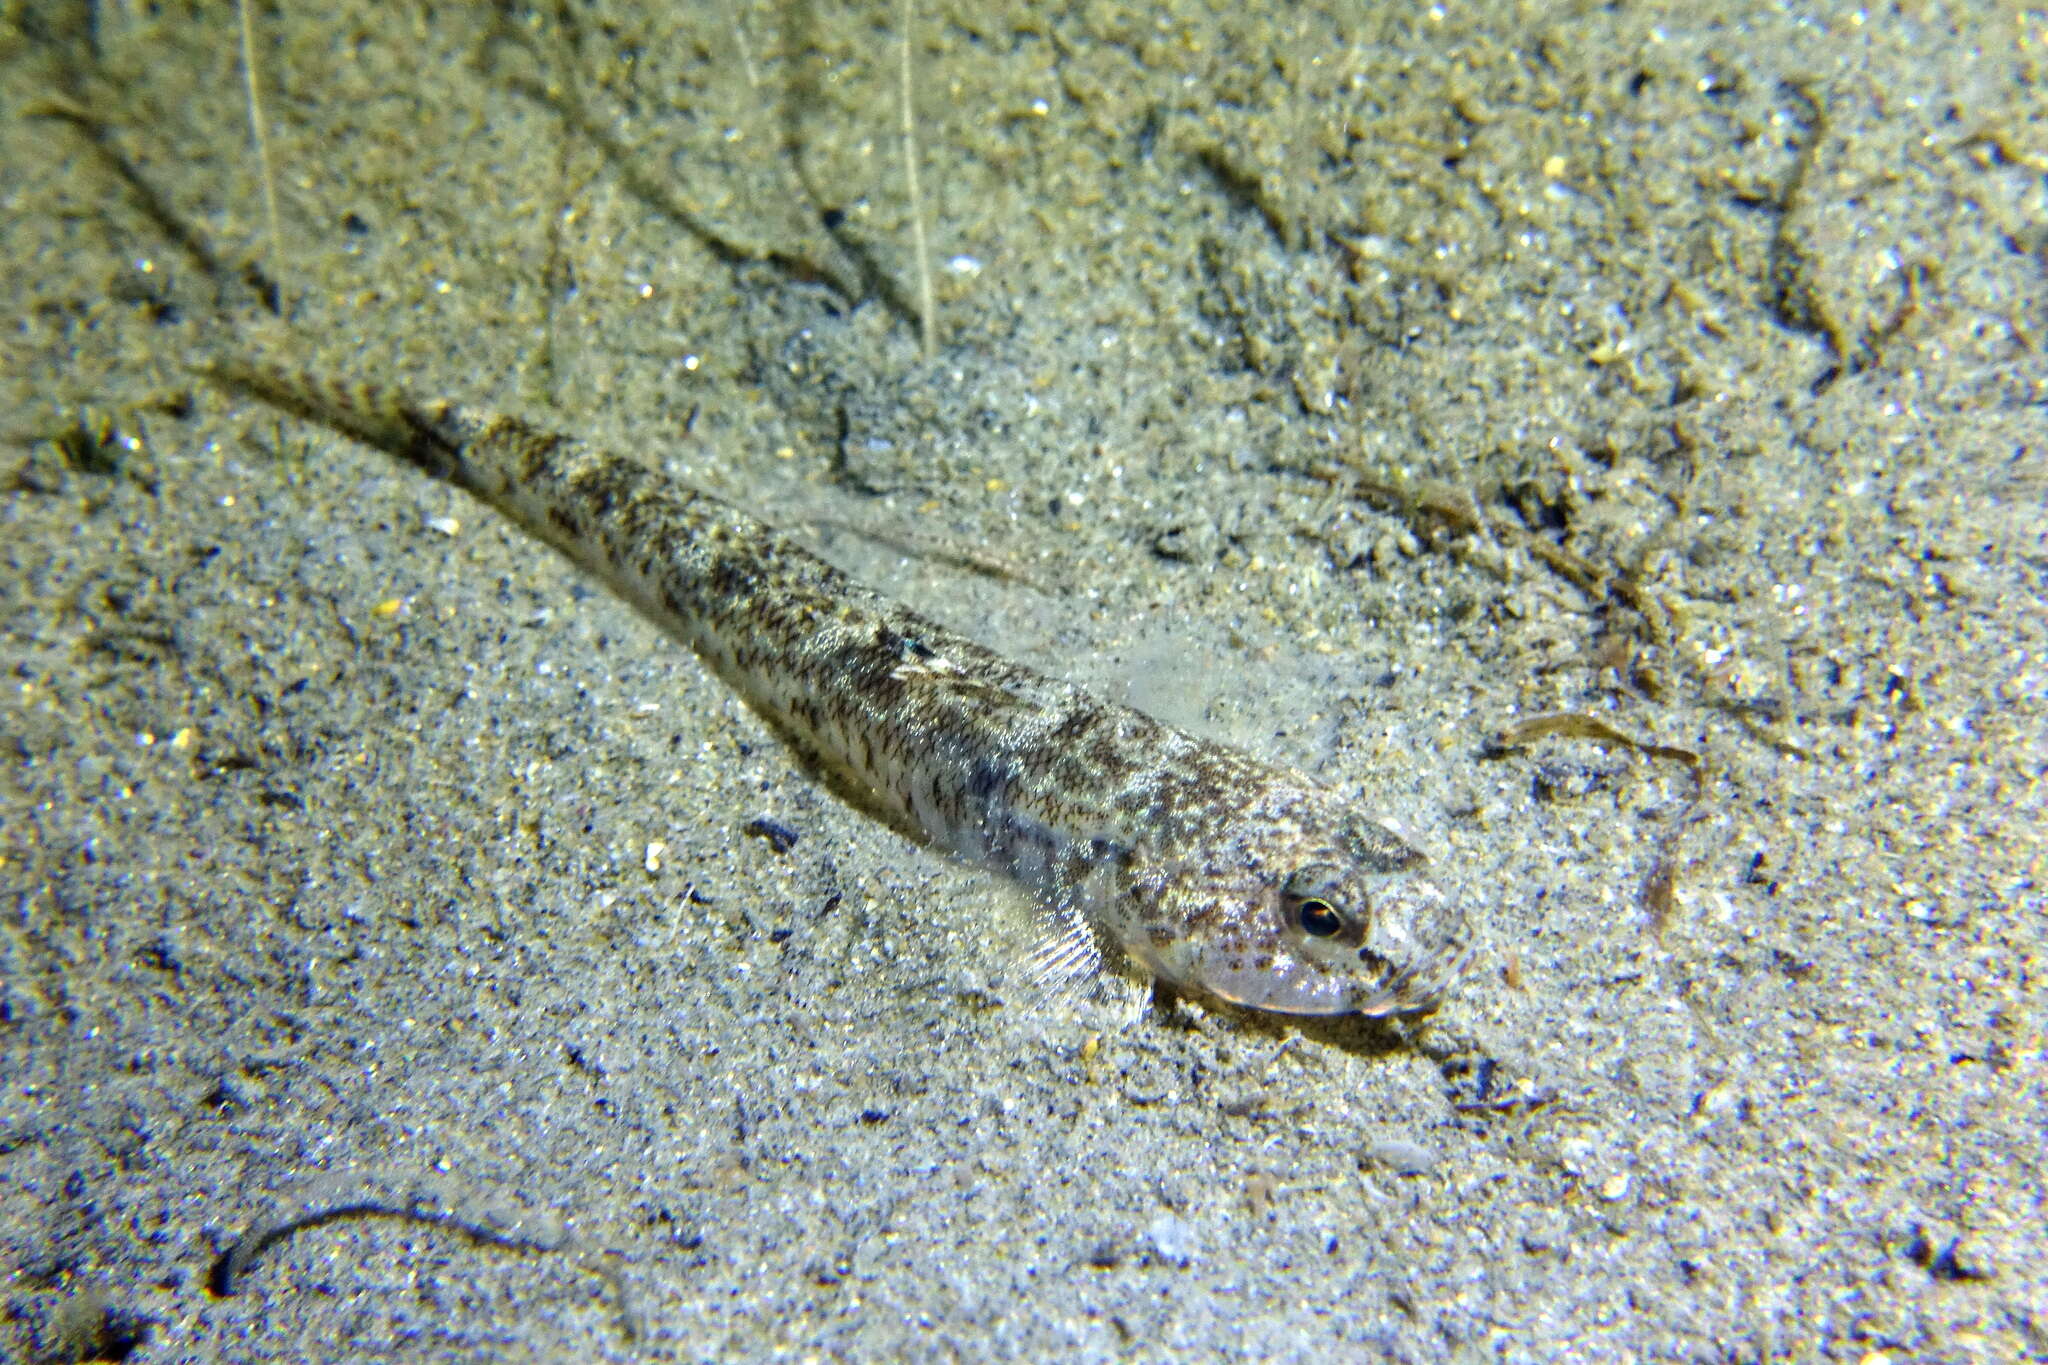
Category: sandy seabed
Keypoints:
(388, 970)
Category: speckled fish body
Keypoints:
(1220, 874)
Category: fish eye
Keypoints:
(1318, 917)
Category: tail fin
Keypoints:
(422, 436)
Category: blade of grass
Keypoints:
(926, 313)
(252, 82)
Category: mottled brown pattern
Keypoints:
(1202, 865)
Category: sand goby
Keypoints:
(1202, 866)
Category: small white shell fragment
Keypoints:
(1174, 1240)
(1401, 1156)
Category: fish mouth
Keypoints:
(1419, 990)
(1420, 946)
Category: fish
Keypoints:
(1174, 858)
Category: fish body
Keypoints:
(1205, 867)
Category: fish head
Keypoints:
(1306, 907)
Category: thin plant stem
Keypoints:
(927, 316)
(253, 84)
